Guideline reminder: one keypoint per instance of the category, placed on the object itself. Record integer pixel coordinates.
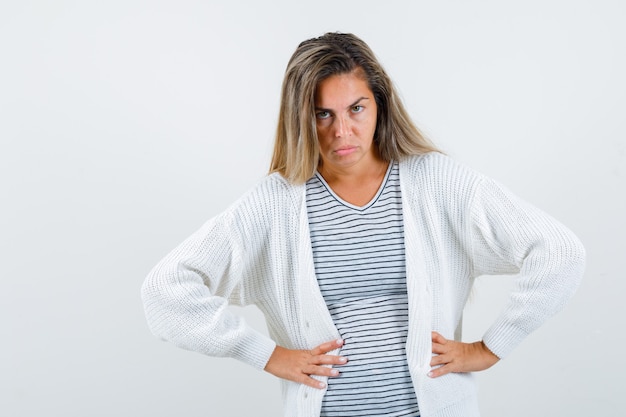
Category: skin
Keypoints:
(453, 356)
(351, 165)
(299, 365)
(345, 114)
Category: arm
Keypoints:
(186, 296)
(507, 235)
(549, 258)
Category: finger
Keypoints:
(327, 347)
(442, 370)
(437, 338)
(321, 371)
(306, 377)
(440, 360)
(311, 382)
(439, 349)
(328, 360)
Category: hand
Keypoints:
(299, 365)
(459, 357)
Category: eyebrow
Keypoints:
(351, 105)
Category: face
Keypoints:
(345, 113)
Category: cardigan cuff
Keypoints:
(253, 348)
(502, 338)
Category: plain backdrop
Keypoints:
(124, 125)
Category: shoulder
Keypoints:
(271, 195)
(275, 188)
(439, 172)
(272, 202)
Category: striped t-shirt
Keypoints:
(359, 260)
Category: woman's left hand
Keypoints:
(453, 356)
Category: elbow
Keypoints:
(151, 300)
(568, 259)
(576, 256)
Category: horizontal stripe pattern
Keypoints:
(358, 253)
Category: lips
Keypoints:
(345, 150)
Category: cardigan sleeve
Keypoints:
(510, 236)
(186, 296)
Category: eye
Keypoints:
(357, 109)
(322, 114)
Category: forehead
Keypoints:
(342, 88)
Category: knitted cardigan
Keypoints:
(458, 225)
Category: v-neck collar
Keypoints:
(353, 206)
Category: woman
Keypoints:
(361, 248)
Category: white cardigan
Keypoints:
(458, 225)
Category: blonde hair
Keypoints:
(296, 149)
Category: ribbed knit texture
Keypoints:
(458, 225)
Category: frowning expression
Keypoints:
(345, 114)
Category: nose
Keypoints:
(342, 127)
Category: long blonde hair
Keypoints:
(296, 149)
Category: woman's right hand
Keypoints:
(299, 365)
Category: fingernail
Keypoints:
(343, 359)
(430, 374)
(322, 385)
(339, 341)
(334, 372)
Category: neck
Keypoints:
(373, 169)
(356, 186)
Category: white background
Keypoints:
(124, 125)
